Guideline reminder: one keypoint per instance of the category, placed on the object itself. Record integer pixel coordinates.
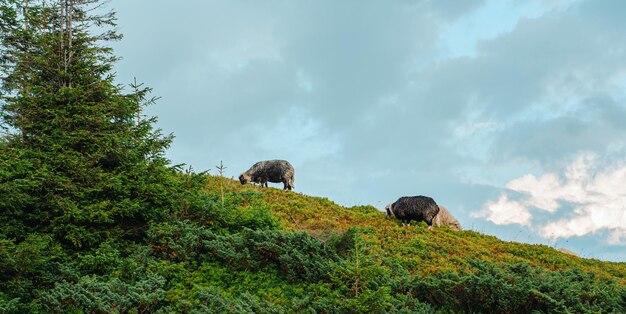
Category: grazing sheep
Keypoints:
(419, 208)
(270, 171)
(445, 219)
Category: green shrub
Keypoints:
(31, 264)
(97, 294)
(520, 288)
(11, 305)
(235, 213)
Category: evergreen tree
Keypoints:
(74, 162)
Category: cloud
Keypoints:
(596, 195)
(553, 136)
(505, 212)
(297, 127)
(539, 190)
(617, 237)
(375, 100)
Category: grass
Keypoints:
(420, 250)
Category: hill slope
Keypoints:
(220, 247)
(430, 250)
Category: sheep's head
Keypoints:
(389, 212)
(245, 178)
(455, 225)
(451, 223)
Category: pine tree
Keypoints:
(74, 162)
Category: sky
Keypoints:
(509, 113)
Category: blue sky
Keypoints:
(509, 113)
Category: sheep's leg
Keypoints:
(287, 183)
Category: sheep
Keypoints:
(270, 171)
(419, 208)
(445, 219)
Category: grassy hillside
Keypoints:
(226, 248)
(423, 251)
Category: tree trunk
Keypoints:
(26, 14)
(61, 34)
(43, 12)
(69, 7)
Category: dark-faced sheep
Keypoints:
(445, 219)
(418, 208)
(275, 171)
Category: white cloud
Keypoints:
(505, 212)
(597, 196)
(617, 237)
(539, 189)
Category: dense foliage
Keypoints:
(75, 163)
(94, 219)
